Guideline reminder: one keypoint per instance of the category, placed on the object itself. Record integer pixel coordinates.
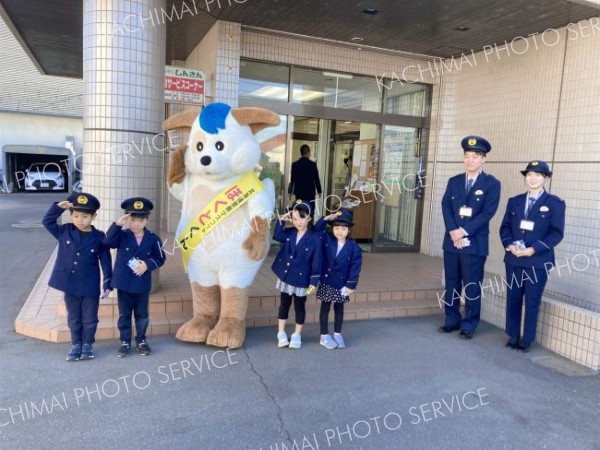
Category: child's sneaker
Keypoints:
(282, 339)
(143, 348)
(339, 340)
(87, 352)
(295, 341)
(124, 350)
(75, 353)
(328, 342)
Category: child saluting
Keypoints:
(139, 252)
(342, 261)
(76, 271)
(298, 268)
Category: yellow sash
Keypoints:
(219, 208)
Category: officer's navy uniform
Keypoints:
(542, 229)
(76, 271)
(338, 270)
(471, 209)
(305, 182)
(133, 290)
(297, 265)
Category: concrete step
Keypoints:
(166, 318)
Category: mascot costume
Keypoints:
(223, 233)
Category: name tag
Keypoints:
(527, 225)
(465, 211)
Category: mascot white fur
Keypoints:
(224, 227)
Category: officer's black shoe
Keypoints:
(524, 346)
(143, 348)
(513, 342)
(465, 334)
(87, 352)
(124, 350)
(448, 329)
(75, 353)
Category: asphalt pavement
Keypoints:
(398, 385)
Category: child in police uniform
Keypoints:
(76, 272)
(298, 268)
(342, 261)
(532, 226)
(139, 252)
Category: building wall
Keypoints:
(317, 54)
(218, 56)
(33, 129)
(35, 109)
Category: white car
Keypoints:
(44, 176)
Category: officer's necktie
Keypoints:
(529, 206)
(469, 185)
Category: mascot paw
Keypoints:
(229, 333)
(196, 330)
(256, 247)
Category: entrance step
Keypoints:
(391, 285)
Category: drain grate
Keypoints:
(27, 224)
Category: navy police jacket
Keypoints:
(77, 267)
(298, 265)
(483, 199)
(548, 217)
(343, 269)
(149, 251)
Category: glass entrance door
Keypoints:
(332, 144)
(401, 187)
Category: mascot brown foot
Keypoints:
(230, 331)
(206, 313)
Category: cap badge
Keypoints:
(298, 202)
(138, 205)
(472, 142)
(534, 163)
(82, 200)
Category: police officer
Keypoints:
(532, 226)
(76, 272)
(469, 203)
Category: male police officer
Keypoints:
(470, 201)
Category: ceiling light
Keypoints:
(462, 28)
(357, 39)
(306, 96)
(277, 92)
(346, 76)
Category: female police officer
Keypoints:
(533, 225)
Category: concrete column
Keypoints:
(123, 79)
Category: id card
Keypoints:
(465, 211)
(527, 225)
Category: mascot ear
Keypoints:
(181, 121)
(255, 118)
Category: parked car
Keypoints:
(44, 176)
